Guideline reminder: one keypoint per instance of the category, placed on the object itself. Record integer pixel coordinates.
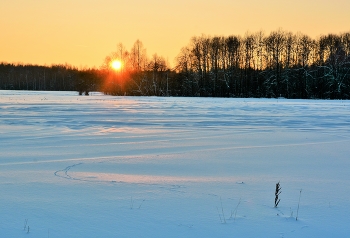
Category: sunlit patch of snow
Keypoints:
(143, 179)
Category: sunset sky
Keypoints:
(83, 32)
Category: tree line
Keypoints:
(48, 78)
(280, 64)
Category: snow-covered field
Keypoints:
(102, 166)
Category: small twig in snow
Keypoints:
(219, 214)
(222, 210)
(296, 218)
(235, 211)
(25, 223)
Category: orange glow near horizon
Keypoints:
(82, 33)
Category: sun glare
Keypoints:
(116, 64)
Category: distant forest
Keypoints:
(281, 64)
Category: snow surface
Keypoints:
(102, 166)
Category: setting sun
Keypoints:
(116, 64)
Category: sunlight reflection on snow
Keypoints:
(144, 179)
